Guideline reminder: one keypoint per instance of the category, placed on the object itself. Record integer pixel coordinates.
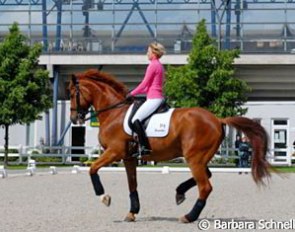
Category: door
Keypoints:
(78, 140)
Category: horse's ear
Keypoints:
(74, 79)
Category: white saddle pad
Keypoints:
(158, 125)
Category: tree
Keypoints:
(208, 79)
(24, 86)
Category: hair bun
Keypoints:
(158, 49)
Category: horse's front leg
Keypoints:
(107, 158)
(130, 166)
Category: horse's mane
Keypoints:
(104, 77)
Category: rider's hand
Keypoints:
(129, 98)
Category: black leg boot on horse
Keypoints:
(144, 145)
(185, 186)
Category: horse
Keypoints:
(194, 133)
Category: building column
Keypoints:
(54, 110)
(47, 113)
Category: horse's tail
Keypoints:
(259, 141)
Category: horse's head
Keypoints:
(80, 101)
(95, 88)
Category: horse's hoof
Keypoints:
(130, 218)
(184, 220)
(106, 199)
(179, 198)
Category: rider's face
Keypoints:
(150, 54)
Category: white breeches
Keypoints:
(147, 108)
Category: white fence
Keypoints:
(55, 154)
(69, 155)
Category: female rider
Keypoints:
(152, 86)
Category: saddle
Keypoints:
(138, 101)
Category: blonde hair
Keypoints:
(158, 49)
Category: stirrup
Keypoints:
(142, 151)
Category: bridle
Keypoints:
(81, 113)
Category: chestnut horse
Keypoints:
(194, 133)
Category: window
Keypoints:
(280, 137)
(280, 122)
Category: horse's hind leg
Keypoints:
(205, 188)
(185, 186)
(130, 166)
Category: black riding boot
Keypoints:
(145, 148)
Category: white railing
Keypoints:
(288, 159)
(66, 154)
(58, 154)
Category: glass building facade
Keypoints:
(127, 26)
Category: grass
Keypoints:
(16, 167)
(286, 169)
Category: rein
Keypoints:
(97, 112)
(82, 113)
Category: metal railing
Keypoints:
(128, 26)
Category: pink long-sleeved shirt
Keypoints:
(152, 83)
